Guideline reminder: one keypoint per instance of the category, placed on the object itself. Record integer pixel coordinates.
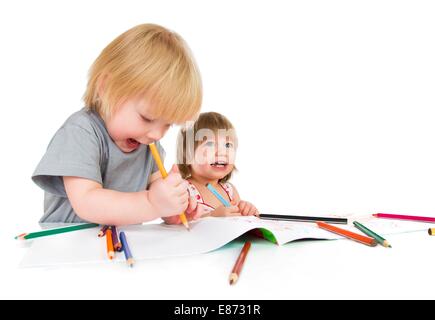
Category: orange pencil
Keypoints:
(348, 234)
(110, 250)
(164, 174)
(235, 274)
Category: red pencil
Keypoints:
(404, 217)
(235, 274)
(348, 234)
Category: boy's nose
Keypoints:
(155, 134)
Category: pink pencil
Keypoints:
(404, 217)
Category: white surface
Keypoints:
(340, 92)
(166, 241)
(317, 269)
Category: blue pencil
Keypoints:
(126, 249)
(217, 194)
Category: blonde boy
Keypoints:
(98, 166)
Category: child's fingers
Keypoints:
(252, 210)
(192, 205)
(172, 220)
(174, 169)
(181, 190)
(232, 211)
(242, 205)
(184, 202)
(174, 179)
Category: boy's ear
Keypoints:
(101, 85)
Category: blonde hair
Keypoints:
(146, 61)
(208, 120)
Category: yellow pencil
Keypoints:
(164, 174)
(431, 231)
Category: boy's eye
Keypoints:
(146, 119)
(228, 145)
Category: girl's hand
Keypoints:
(247, 209)
(169, 196)
(193, 212)
(223, 211)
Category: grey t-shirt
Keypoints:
(83, 148)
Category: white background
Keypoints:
(332, 101)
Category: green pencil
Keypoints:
(370, 233)
(43, 233)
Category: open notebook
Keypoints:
(207, 234)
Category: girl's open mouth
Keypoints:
(219, 164)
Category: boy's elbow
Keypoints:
(80, 193)
(82, 206)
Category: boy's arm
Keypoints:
(93, 203)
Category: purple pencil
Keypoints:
(102, 232)
(115, 240)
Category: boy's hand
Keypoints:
(169, 196)
(193, 212)
(247, 209)
(223, 211)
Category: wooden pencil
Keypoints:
(348, 234)
(126, 249)
(302, 218)
(237, 269)
(109, 242)
(404, 217)
(102, 231)
(372, 234)
(164, 174)
(50, 232)
(116, 243)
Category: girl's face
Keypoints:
(132, 124)
(214, 157)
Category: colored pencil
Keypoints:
(302, 218)
(404, 217)
(372, 234)
(431, 231)
(348, 234)
(237, 269)
(126, 249)
(49, 232)
(164, 174)
(218, 195)
(102, 231)
(109, 242)
(116, 243)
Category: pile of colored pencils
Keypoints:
(116, 244)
